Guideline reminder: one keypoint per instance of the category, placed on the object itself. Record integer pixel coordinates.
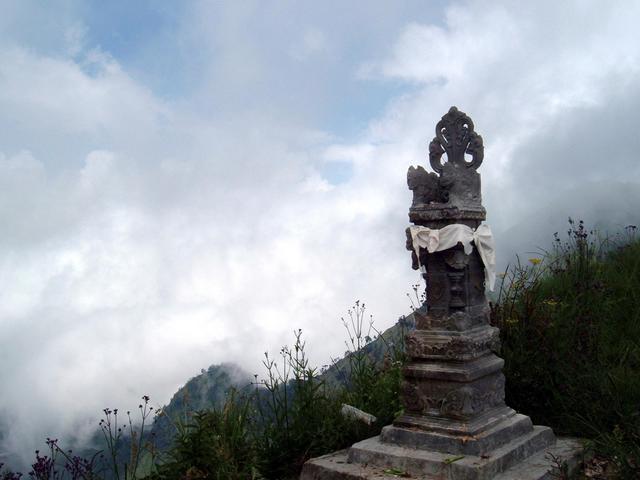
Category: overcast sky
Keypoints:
(186, 183)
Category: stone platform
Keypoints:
(524, 460)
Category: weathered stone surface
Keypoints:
(447, 345)
(420, 462)
(497, 429)
(542, 465)
(453, 380)
(458, 183)
(566, 456)
(446, 400)
(461, 321)
(453, 195)
(453, 386)
(336, 467)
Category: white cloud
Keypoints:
(529, 80)
(143, 239)
(127, 272)
(75, 39)
(313, 42)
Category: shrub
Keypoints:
(216, 444)
(298, 414)
(570, 331)
(372, 370)
(293, 414)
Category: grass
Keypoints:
(570, 331)
(216, 444)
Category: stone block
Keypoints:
(489, 439)
(524, 460)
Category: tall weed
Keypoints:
(214, 444)
(298, 415)
(570, 328)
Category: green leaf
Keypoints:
(396, 472)
(453, 459)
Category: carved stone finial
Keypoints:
(456, 183)
(455, 136)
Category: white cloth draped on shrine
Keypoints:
(435, 240)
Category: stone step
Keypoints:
(455, 372)
(539, 466)
(336, 467)
(467, 467)
(499, 432)
(566, 454)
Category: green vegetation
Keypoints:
(294, 413)
(570, 330)
(216, 444)
(203, 392)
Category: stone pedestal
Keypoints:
(389, 461)
(455, 422)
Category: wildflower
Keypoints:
(535, 261)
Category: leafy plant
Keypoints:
(570, 331)
(298, 414)
(216, 444)
(370, 385)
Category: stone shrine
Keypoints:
(455, 423)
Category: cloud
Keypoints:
(146, 236)
(546, 97)
(127, 270)
(313, 42)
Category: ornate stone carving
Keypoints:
(467, 401)
(455, 136)
(458, 347)
(471, 317)
(425, 186)
(460, 403)
(411, 398)
(457, 291)
(455, 184)
(456, 259)
(453, 378)
(460, 321)
(437, 291)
